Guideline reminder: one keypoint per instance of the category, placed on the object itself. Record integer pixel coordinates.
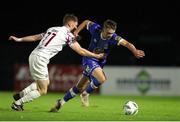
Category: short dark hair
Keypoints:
(69, 17)
(110, 24)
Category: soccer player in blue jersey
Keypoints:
(102, 39)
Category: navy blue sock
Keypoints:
(93, 85)
(71, 93)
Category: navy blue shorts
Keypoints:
(89, 64)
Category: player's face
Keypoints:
(73, 25)
(107, 33)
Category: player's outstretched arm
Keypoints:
(31, 38)
(82, 26)
(83, 52)
(137, 53)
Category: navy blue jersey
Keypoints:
(97, 44)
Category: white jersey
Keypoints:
(53, 41)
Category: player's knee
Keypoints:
(43, 91)
(102, 80)
(42, 86)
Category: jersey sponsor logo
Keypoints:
(105, 46)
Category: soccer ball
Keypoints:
(130, 108)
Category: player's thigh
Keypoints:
(82, 83)
(38, 67)
(99, 74)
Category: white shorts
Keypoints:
(38, 67)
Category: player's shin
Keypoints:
(71, 93)
(28, 89)
(25, 91)
(93, 85)
(28, 97)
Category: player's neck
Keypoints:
(102, 36)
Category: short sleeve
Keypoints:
(93, 27)
(116, 39)
(113, 40)
(70, 38)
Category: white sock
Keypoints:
(28, 89)
(28, 97)
(85, 93)
(62, 102)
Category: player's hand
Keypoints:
(75, 33)
(100, 56)
(78, 38)
(15, 39)
(139, 54)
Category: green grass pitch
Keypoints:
(102, 108)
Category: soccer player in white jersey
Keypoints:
(102, 40)
(52, 41)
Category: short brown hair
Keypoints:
(69, 17)
(110, 24)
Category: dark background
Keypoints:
(150, 25)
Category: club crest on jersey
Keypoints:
(87, 69)
(95, 40)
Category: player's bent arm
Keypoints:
(129, 45)
(84, 24)
(31, 38)
(137, 53)
(83, 52)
